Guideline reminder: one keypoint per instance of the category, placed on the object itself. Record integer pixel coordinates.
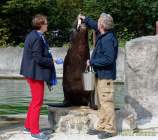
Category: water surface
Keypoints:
(15, 96)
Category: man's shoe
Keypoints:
(93, 132)
(104, 135)
(93, 106)
(39, 136)
(26, 131)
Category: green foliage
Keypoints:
(125, 34)
(66, 45)
(21, 45)
(61, 18)
(92, 8)
(122, 43)
(138, 16)
(4, 34)
(132, 18)
(18, 14)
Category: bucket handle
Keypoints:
(89, 69)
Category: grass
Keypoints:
(17, 109)
(138, 133)
(122, 43)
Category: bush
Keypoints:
(133, 18)
(21, 45)
(125, 35)
(4, 35)
(122, 43)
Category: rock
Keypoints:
(141, 70)
(72, 120)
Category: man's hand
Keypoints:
(82, 17)
(88, 63)
(53, 61)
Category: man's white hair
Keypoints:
(107, 21)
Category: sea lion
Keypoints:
(74, 65)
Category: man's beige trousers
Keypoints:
(106, 112)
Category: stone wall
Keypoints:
(10, 60)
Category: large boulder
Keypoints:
(141, 70)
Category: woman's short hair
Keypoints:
(107, 21)
(39, 20)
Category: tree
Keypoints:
(17, 14)
(132, 18)
(62, 17)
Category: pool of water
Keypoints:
(15, 96)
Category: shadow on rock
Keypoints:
(141, 115)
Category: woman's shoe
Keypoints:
(39, 136)
(26, 131)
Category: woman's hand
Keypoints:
(59, 61)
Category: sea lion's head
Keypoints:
(79, 25)
(79, 34)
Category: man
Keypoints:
(103, 61)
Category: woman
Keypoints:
(37, 66)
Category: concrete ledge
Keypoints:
(18, 76)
